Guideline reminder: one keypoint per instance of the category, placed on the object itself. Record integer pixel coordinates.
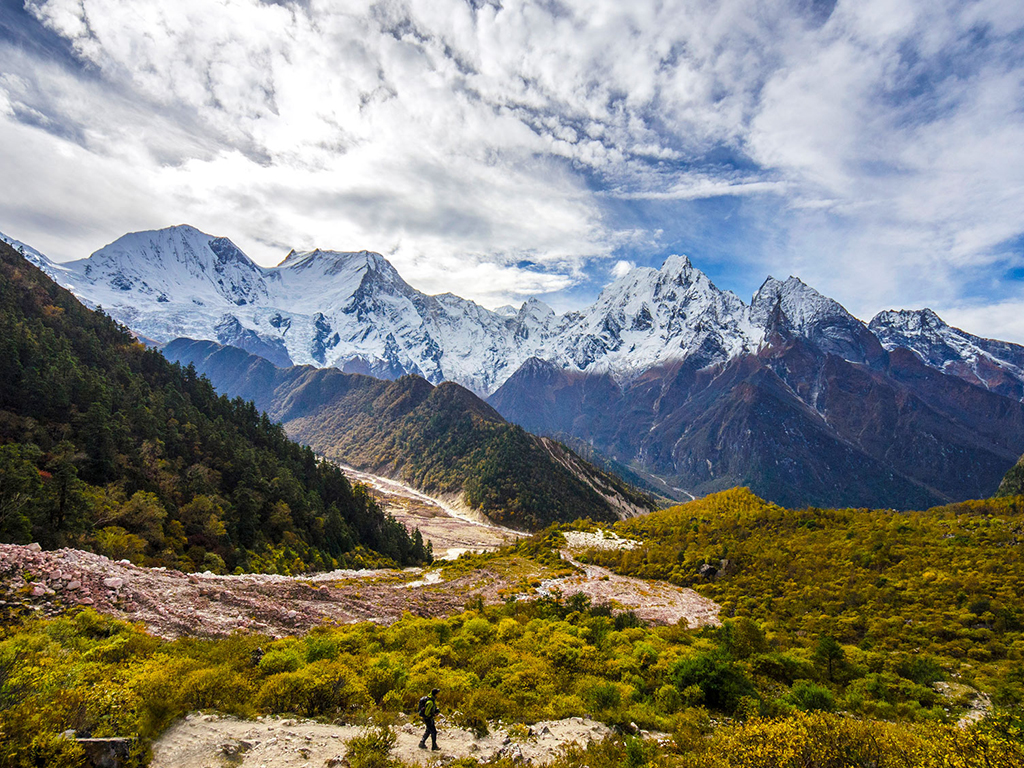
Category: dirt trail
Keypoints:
(653, 601)
(206, 741)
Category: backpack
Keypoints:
(421, 710)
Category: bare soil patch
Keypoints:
(206, 741)
(654, 601)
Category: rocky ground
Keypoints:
(173, 604)
(206, 741)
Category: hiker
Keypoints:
(428, 710)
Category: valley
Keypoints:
(665, 374)
(450, 531)
(616, 384)
(172, 604)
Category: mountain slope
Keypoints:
(797, 424)
(106, 445)
(443, 440)
(353, 311)
(1013, 482)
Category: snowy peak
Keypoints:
(171, 265)
(794, 308)
(534, 319)
(353, 310)
(803, 306)
(336, 262)
(329, 281)
(995, 365)
(651, 316)
(917, 322)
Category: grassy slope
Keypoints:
(943, 585)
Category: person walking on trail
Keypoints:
(428, 710)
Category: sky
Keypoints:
(501, 149)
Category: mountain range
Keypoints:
(666, 373)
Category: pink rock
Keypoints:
(74, 584)
(34, 547)
(86, 601)
(38, 591)
(113, 583)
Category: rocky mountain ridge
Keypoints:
(665, 373)
(353, 311)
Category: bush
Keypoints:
(812, 697)
(277, 660)
(372, 749)
(721, 681)
(923, 670)
(782, 667)
(323, 688)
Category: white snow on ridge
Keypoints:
(353, 311)
(949, 349)
(37, 259)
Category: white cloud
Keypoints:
(902, 139)
(621, 268)
(465, 141)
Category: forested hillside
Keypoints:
(443, 440)
(106, 445)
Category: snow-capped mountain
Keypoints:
(995, 365)
(33, 256)
(353, 311)
(649, 317)
(794, 308)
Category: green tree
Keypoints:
(829, 653)
(20, 487)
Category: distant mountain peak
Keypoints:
(910, 320)
(353, 310)
(995, 365)
(304, 259)
(535, 308)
